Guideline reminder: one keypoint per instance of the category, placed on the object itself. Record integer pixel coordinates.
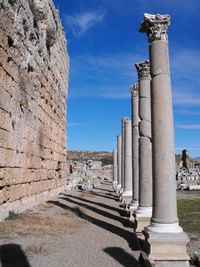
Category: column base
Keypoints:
(115, 185)
(144, 212)
(127, 194)
(118, 188)
(164, 228)
(132, 208)
(126, 201)
(163, 249)
(170, 264)
(133, 205)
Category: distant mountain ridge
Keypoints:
(197, 158)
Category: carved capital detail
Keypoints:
(156, 26)
(143, 69)
(134, 88)
(124, 119)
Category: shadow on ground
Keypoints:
(125, 222)
(122, 213)
(120, 255)
(134, 243)
(12, 255)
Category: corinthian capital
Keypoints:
(143, 69)
(156, 26)
(123, 121)
(134, 90)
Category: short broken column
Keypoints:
(127, 193)
(166, 238)
(144, 211)
(118, 163)
(114, 168)
(135, 148)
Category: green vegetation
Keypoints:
(189, 214)
(107, 161)
(12, 216)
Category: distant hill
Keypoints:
(104, 156)
(197, 158)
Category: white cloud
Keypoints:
(80, 23)
(185, 64)
(104, 75)
(187, 98)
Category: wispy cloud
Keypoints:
(189, 126)
(188, 98)
(80, 23)
(104, 75)
(185, 63)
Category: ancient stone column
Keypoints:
(144, 211)
(122, 155)
(118, 162)
(127, 193)
(164, 234)
(114, 167)
(135, 146)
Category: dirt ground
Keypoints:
(78, 228)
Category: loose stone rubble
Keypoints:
(87, 174)
(34, 86)
(187, 171)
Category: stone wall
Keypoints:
(33, 88)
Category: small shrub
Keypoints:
(12, 216)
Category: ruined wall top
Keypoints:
(156, 26)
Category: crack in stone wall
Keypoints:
(34, 87)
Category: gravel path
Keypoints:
(79, 228)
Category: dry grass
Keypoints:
(69, 214)
(46, 206)
(37, 225)
(39, 250)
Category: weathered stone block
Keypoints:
(33, 87)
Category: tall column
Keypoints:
(166, 237)
(118, 162)
(145, 147)
(126, 195)
(114, 167)
(135, 146)
(122, 155)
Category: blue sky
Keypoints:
(104, 44)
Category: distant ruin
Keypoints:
(33, 86)
(87, 174)
(187, 172)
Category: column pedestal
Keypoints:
(167, 248)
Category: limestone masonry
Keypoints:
(33, 88)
